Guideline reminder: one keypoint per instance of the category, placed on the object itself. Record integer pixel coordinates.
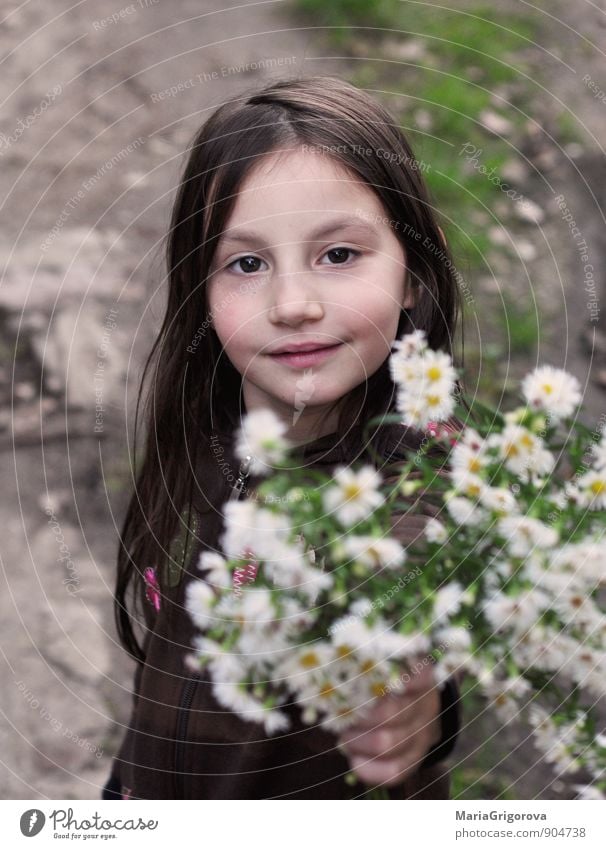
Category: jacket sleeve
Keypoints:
(407, 527)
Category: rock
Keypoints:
(495, 123)
(515, 171)
(406, 50)
(475, 73)
(499, 236)
(526, 250)
(574, 150)
(423, 119)
(528, 210)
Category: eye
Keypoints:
(339, 254)
(249, 263)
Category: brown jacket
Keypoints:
(181, 744)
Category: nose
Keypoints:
(293, 300)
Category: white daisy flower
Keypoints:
(450, 664)
(429, 403)
(523, 534)
(350, 634)
(593, 487)
(448, 600)
(470, 455)
(375, 552)
(199, 603)
(410, 344)
(519, 613)
(404, 371)
(584, 560)
(588, 791)
(355, 496)
(218, 573)
(239, 535)
(389, 644)
(552, 390)
(577, 609)
(454, 639)
(467, 483)
(261, 437)
(361, 607)
(464, 511)
(255, 607)
(522, 451)
(413, 410)
(435, 531)
(236, 697)
(598, 452)
(498, 499)
(437, 368)
(506, 696)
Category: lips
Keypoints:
(306, 358)
(304, 347)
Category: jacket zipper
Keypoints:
(189, 687)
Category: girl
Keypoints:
(302, 244)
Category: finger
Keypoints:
(420, 678)
(389, 741)
(385, 770)
(375, 743)
(386, 709)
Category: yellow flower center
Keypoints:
(434, 372)
(344, 651)
(352, 490)
(368, 665)
(327, 690)
(474, 465)
(547, 388)
(598, 487)
(309, 659)
(377, 689)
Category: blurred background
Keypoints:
(506, 107)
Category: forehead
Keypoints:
(301, 185)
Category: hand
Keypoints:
(390, 742)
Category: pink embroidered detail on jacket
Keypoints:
(441, 431)
(152, 587)
(244, 574)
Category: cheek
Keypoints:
(376, 323)
(230, 318)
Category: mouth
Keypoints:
(304, 358)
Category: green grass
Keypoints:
(519, 327)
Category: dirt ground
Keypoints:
(99, 103)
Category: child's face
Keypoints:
(296, 282)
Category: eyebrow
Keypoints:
(324, 230)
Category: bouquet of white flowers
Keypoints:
(510, 591)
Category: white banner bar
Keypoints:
(304, 824)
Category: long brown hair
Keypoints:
(195, 390)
